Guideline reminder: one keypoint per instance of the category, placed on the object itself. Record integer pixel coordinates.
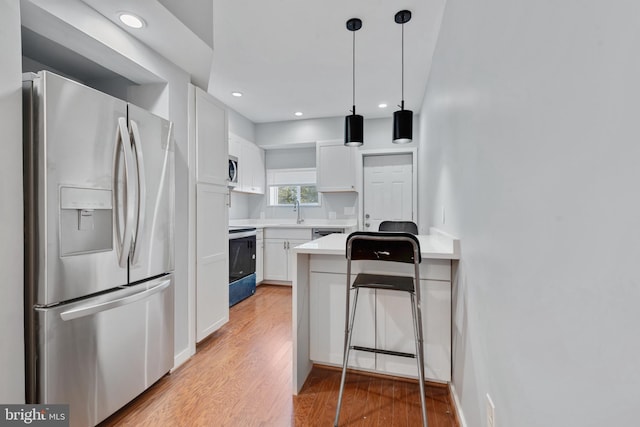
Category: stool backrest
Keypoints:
(385, 246)
(406, 226)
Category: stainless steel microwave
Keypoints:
(233, 171)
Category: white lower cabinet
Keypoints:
(278, 243)
(275, 259)
(383, 320)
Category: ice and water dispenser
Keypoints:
(86, 220)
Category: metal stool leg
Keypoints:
(345, 357)
(416, 312)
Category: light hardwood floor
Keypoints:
(241, 376)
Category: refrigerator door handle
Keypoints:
(90, 310)
(142, 193)
(122, 138)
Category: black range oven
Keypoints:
(242, 263)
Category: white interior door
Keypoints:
(388, 189)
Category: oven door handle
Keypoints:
(233, 236)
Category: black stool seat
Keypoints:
(382, 281)
(406, 226)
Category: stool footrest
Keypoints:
(381, 351)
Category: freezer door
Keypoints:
(153, 242)
(99, 354)
(70, 161)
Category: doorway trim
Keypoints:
(386, 152)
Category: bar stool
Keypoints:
(384, 246)
(406, 226)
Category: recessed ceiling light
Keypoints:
(298, 113)
(383, 105)
(131, 20)
(238, 94)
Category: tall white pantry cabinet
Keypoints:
(208, 122)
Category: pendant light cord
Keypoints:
(402, 100)
(354, 72)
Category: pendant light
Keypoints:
(353, 124)
(402, 119)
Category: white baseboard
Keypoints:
(457, 406)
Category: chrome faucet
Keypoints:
(296, 208)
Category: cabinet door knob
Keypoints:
(366, 224)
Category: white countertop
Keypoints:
(291, 223)
(436, 245)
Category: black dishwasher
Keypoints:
(317, 233)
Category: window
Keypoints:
(288, 185)
(284, 195)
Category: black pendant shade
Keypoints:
(353, 130)
(402, 119)
(402, 126)
(354, 124)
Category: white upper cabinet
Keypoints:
(234, 146)
(251, 170)
(211, 148)
(336, 167)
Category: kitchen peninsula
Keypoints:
(383, 318)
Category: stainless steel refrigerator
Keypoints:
(99, 221)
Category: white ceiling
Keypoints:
(165, 32)
(293, 55)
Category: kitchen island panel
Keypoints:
(322, 262)
(394, 331)
(327, 315)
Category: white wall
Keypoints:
(239, 208)
(299, 131)
(116, 86)
(11, 244)
(330, 202)
(290, 158)
(241, 126)
(256, 206)
(531, 144)
(377, 135)
(300, 157)
(377, 132)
